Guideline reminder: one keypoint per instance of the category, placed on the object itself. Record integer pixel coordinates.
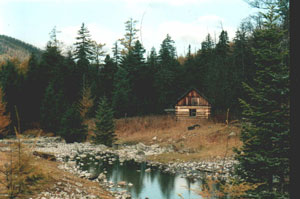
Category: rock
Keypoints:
(141, 147)
(122, 183)
(44, 155)
(101, 177)
(140, 153)
(82, 155)
(148, 170)
(93, 176)
(98, 157)
(232, 134)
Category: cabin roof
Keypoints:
(189, 90)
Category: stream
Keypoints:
(142, 180)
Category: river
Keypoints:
(142, 180)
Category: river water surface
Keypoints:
(155, 184)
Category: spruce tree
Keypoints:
(167, 79)
(83, 49)
(134, 64)
(52, 108)
(33, 88)
(107, 74)
(71, 125)
(105, 127)
(116, 54)
(121, 92)
(264, 156)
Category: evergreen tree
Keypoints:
(107, 74)
(242, 68)
(222, 64)
(149, 76)
(83, 49)
(205, 64)
(34, 88)
(134, 64)
(121, 91)
(116, 53)
(53, 104)
(192, 73)
(167, 80)
(105, 127)
(72, 80)
(264, 156)
(52, 108)
(71, 125)
(130, 36)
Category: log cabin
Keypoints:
(192, 105)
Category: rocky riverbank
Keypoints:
(67, 154)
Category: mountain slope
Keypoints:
(14, 48)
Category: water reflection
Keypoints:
(154, 185)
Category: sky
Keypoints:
(186, 21)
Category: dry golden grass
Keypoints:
(210, 140)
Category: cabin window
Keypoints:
(194, 101)
(192, 112)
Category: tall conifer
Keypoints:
(264, 156)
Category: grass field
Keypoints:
(209, 140)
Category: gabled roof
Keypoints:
(189, 90)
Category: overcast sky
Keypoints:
(186, 21)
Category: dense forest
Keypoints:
(54, 82)
(134, 85)
(249, 76)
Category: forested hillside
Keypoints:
(14, 48)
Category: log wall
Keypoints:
(183, 112)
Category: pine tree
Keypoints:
(71, 125)
(105, 127)
(264, 156)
